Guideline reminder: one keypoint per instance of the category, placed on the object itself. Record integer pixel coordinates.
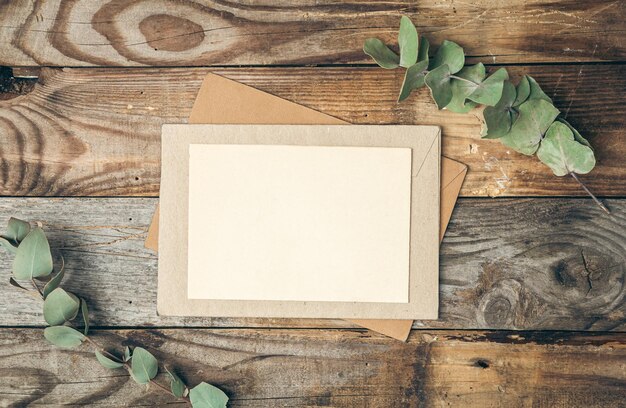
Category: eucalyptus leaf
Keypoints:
(14, 283)
(459, 102)
(523, 91)
(127, 355)
(462, 88)
(561, 152)
(8, 245)
(577, 136)
(489, 91)
(144, 366)
(413, 79)
(63, 336)
(106, 362)
(85, 312)
(205, 395)
(535, 117)
(176, 384)
(382, 54)
(33, 257)
(450, 54)
(501, 117)
(424, 47)
(60, 306)
(535, 90)
(438, 80)
(55, 281)
(17, 229)
(407, 40)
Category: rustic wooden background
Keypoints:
(533, 282)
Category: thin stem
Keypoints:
(590, 193)
(463, 79)
(37, 287)
(167, 390)
(99, 347)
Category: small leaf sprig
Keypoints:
(522, 117)
(33, 263)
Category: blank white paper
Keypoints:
(302, 223)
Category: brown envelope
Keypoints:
(223, 101)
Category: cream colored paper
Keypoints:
(423, 281)
(307, 223)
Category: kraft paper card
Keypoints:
(221, 100)
(299, 221)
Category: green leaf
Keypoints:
(523, 91)
(127, 355)
(107, 362)
(561, 152)
(85, 312)
(17, 229)
(13, 282)
(535, 117)
(33, 257)
(501, 117)
(413, 79)
(55, 281)
(59, 307)
(450, 54)
(63, 336)
(176, 384)
(535, 90)
(422, 54)
(438, 80)
(8, 245)
(205, 395)
(461, 89)
(381, 53)
(489, 91)
(407, 40)
(144, 366)
(577, 136)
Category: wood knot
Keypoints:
(482, 363)
(500, 301)
(170, 33)
(587, 272)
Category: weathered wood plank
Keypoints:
(201, 33)
(557, 264)
(85, 132)
(313, 368)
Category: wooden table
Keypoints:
(533, 275)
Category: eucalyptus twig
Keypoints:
(522, 117)
(33, 259)
(128, 367)
(600, 204)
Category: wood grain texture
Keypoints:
(323, 368)
(203, 32)
(96, 132)
(556, 264)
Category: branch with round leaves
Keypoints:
(33, 267)
(522, 117)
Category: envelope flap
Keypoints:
(256, 106)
